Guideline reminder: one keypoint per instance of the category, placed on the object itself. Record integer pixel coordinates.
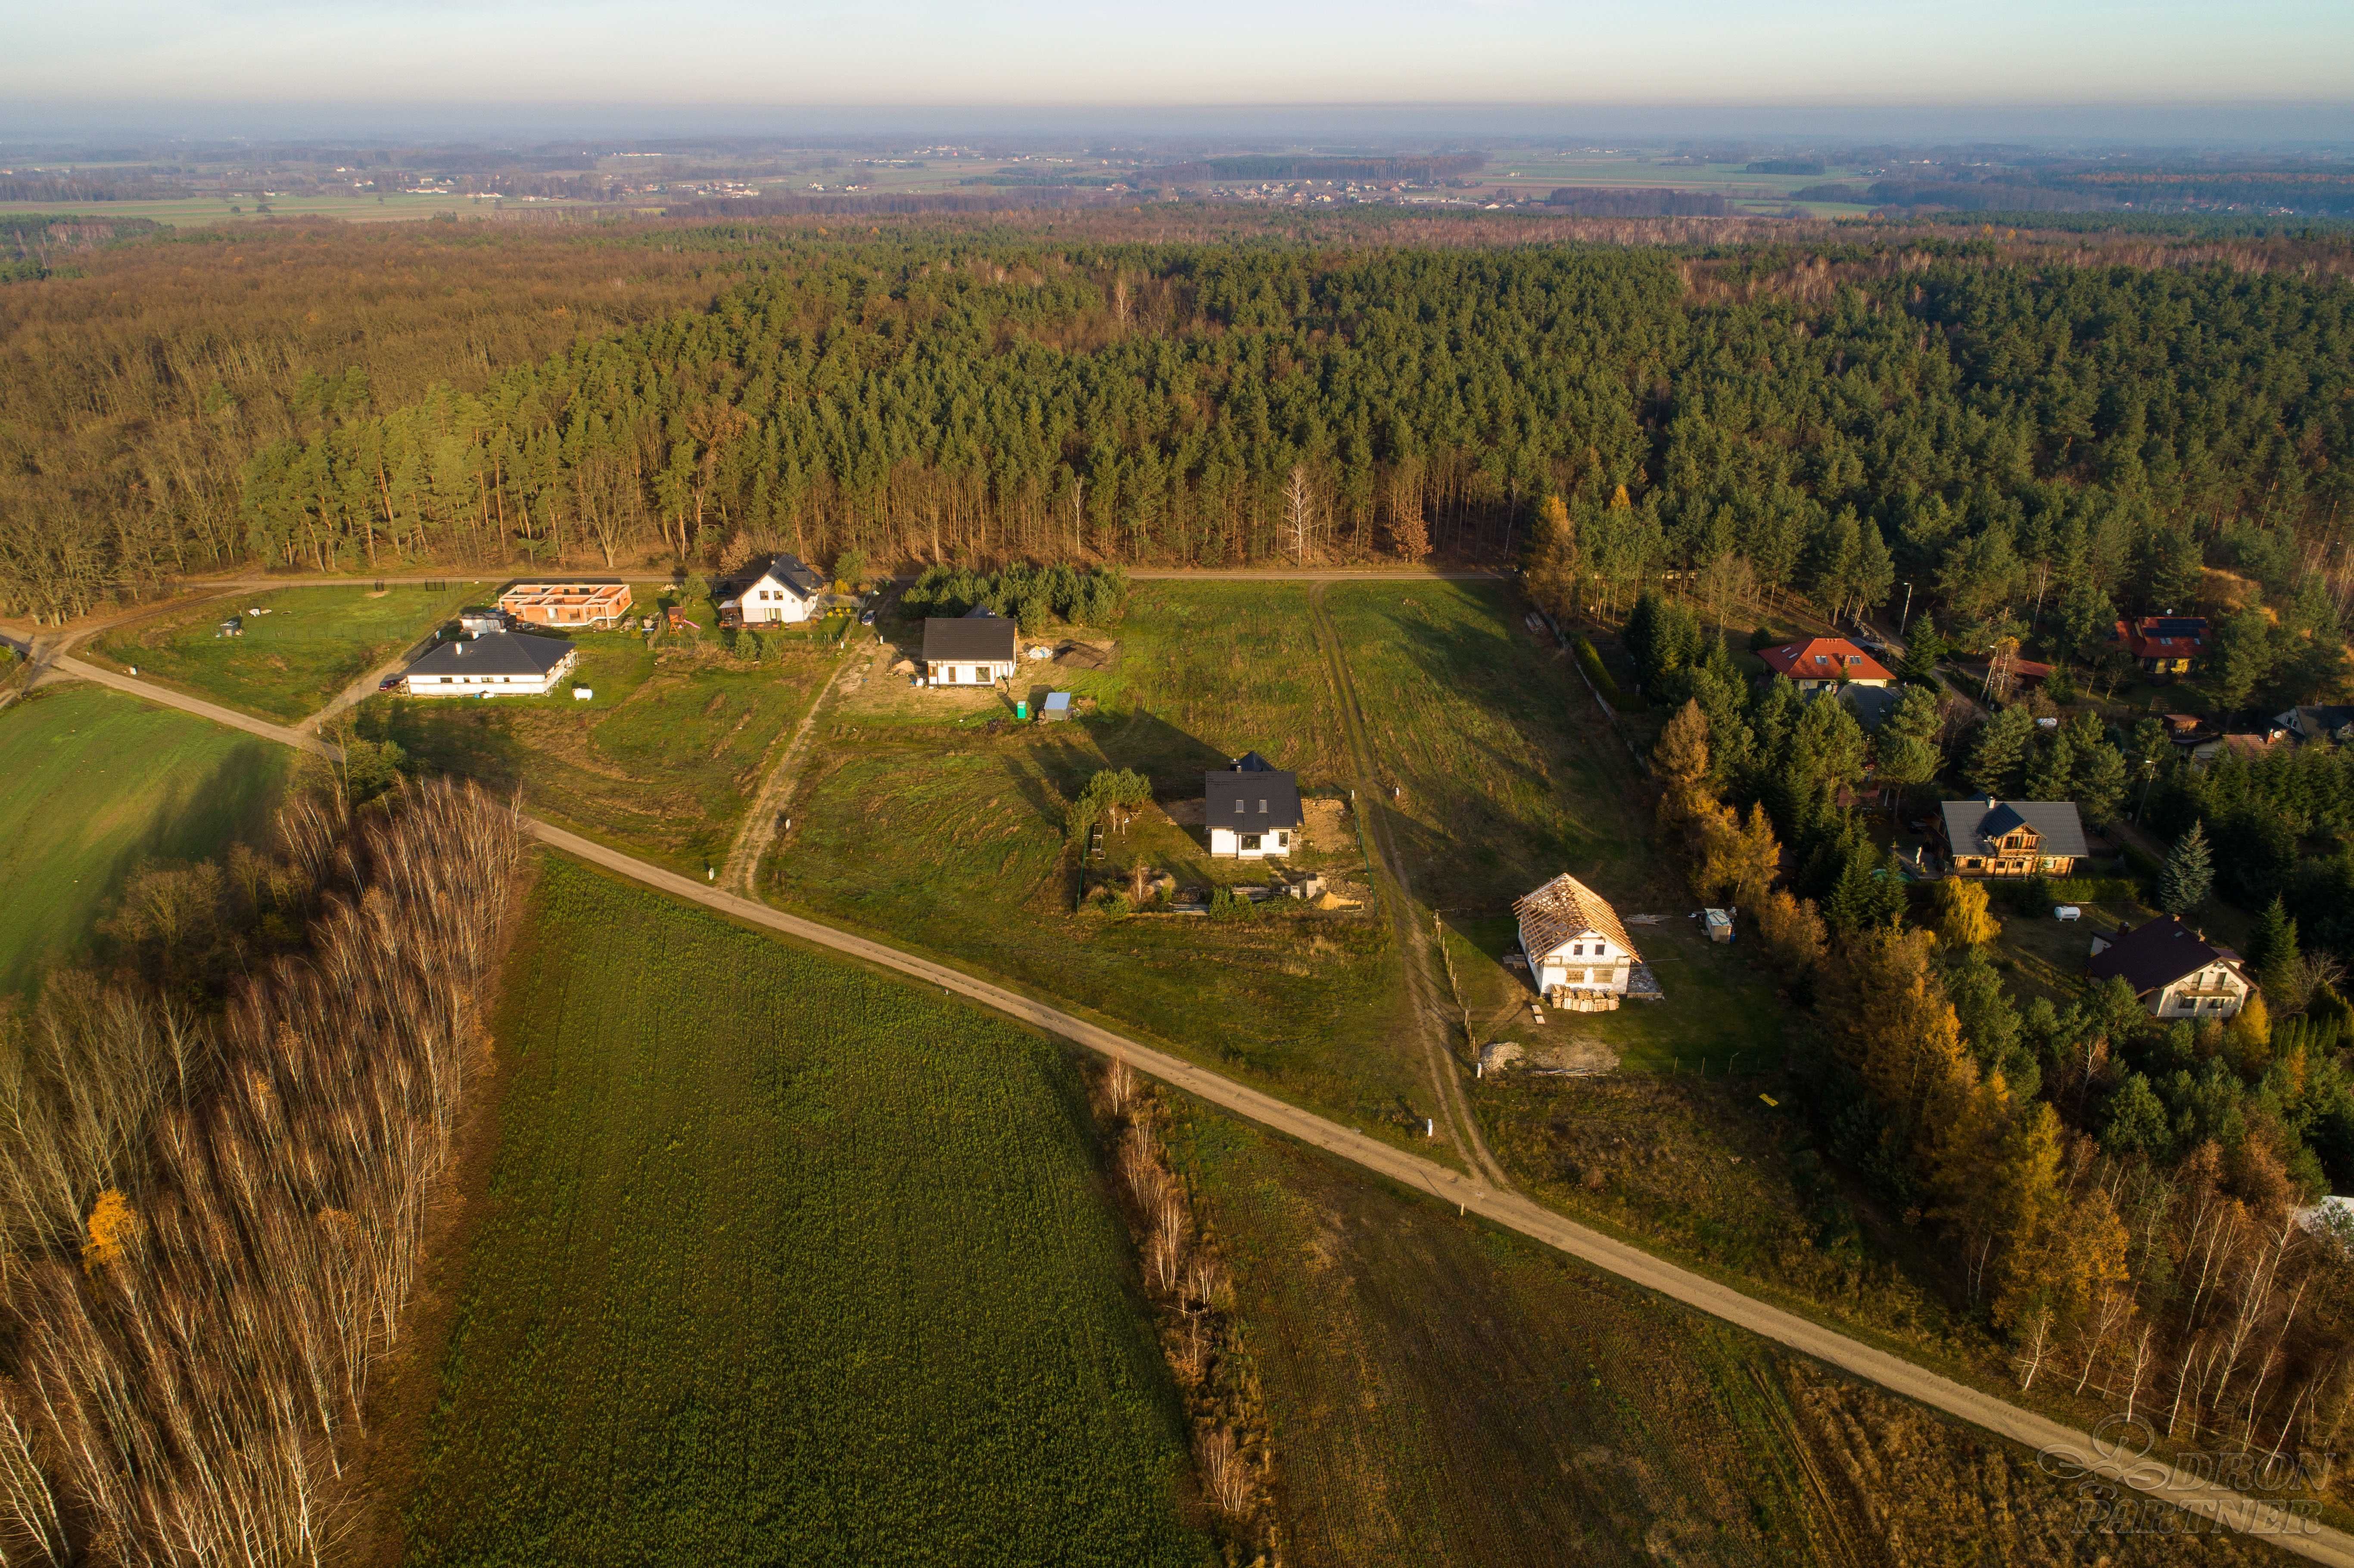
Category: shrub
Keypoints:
(1590, 661)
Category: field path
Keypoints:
(1429, 1018)
(2069, 1452)
(759, 829)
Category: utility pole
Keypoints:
(1908, 612)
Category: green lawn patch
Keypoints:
(787, 1263)
(661, 762)
(91, 784)
(289, 663)
(920, 823)
(1509, 776)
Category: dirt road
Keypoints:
(2066, 1446)
(759, 829)
(1416, 949)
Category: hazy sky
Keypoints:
(517, 53)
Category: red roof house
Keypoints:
(2163, 644)
(1820, 662)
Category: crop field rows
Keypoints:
(787, 1263)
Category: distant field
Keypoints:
(288, 662)
(198, 211)
(664, 760)
(93, 783)
(787, 1263)
(1441, 1395)
(915, 822)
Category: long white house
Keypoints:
(786, 591)
(1578, 953)
(495, 664)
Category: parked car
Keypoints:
(867, 618)
(389, 683)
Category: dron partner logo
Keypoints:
(2124, 1487)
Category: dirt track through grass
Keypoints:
(1423, 1014)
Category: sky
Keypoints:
(353, 65)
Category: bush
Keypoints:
(1768, 635)
(2092, 889)
(1590, 661)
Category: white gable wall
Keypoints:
(770, 602)
(1226, 842)
(1587, 962)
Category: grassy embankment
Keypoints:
(919, 822)
(661, 762)
(91, 784)
(786, 1262)
(1441, 1393)
(289, 663)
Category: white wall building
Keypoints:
(971, 650)
(1578, 953)
(1251, 807)
(495, 664)
(787, 591)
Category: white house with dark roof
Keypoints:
(975, 649)
(2174, 970)
(2013, 838)
(1577, 950)
(1251, 807)
(783, 591)
(495, 664)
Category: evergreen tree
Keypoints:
(2189, 875)
(2273, 956)
(2001, 748)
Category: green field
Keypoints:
(787, 1263)
(1442, 1394)
(661, 762)
(91, 784)
(290, 662)
(918, 824)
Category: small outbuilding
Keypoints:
(481, 619)
(1718, 924)
(975, 650)
(1058, 707)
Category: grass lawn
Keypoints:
(93, 783)
(918, 823)
(661, 762)
(787, 1263)
(289, 663)
(1441, 1393)
(1509, 776)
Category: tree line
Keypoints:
(213, 1201)
(2003, 425)
(2123, 1198)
